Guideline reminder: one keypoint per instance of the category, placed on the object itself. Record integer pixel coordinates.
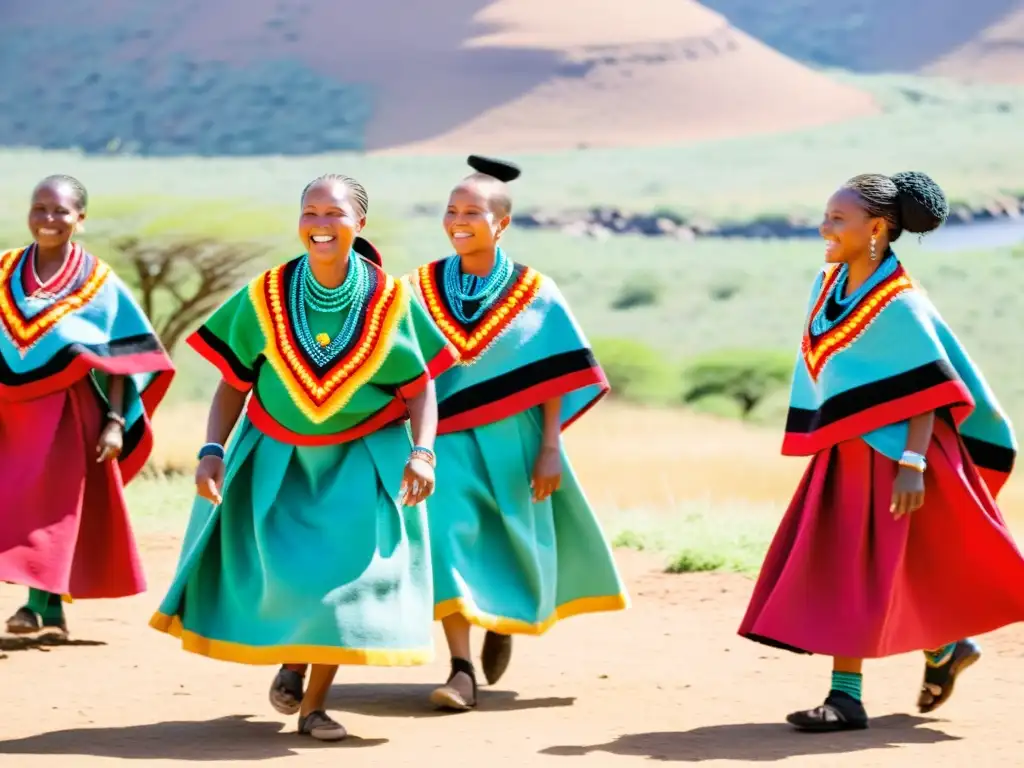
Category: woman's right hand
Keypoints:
(210, 478)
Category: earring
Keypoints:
(874, 241)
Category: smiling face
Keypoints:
(54, 214)
(330, 221)
(470, 223)
(847, 229)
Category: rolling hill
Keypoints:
(980, 40)
(219, 77)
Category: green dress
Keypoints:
(310, 558)
(503, 561)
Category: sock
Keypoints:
(850, 683)
(37, 600)
(52, 611)
(939, 656)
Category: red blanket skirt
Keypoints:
(844, 578)
(64, 524)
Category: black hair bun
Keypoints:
(499, 169)
(366, 249)
(922, 203)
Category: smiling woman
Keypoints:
(81, 374)
(308, 542)
(910, 449)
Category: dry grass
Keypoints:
(646, 462)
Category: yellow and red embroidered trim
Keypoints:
(24, 332)
(317, 397)
(817, 352)
(471, 344)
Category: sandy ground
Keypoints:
(669, 681)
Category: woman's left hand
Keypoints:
(111, 442)
(417, 482)
(547, 473)
(907, 492)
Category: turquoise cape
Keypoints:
(890, 358)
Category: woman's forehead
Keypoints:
(845, 200)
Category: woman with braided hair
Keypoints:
(81, 374)
(893, 541)
(515, 545)
(308, 542)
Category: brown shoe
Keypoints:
(23, 622)
(459, 693)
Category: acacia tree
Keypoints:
(181, 281)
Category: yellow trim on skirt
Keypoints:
(506, 626)
(225, 650)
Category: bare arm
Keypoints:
(115, 395)
(224, 412)
(423, 416)
(552, 424)
(908, 489)
(919, 435)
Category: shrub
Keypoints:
(636, 372)
(639, 291)
(747, 377)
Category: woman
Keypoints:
(896, 515)
(81, 373)
(515, 545)
(299, 549)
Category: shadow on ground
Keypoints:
(413, 700)
(42, 642)
(761, 742)
(224, 739)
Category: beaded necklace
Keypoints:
(820, 323)
(462, 288)
(352, 294)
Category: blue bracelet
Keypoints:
(212, 449)
(421, 449)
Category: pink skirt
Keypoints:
(64, 525)
(844, 578)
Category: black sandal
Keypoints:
(286, 691)
(940, 680)
(840, 712)
(495, 656)
(450, 698)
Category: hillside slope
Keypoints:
(307, 76)
(982, 39)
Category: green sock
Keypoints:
(850, 683)
(37, 600)
(939, 656)
(48, 605)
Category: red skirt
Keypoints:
(64, 525)
(844, 578)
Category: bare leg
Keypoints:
(459, 693)
(313, 720)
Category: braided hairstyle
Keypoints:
(77, 188)
(908, 201)
(491, 179)
(360, 199)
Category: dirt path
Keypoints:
(668, 681)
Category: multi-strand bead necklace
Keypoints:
(461, 288)
(352, 294)
(820, 323)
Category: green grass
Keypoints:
(964, 136)
(692, 536)
(698, 536)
